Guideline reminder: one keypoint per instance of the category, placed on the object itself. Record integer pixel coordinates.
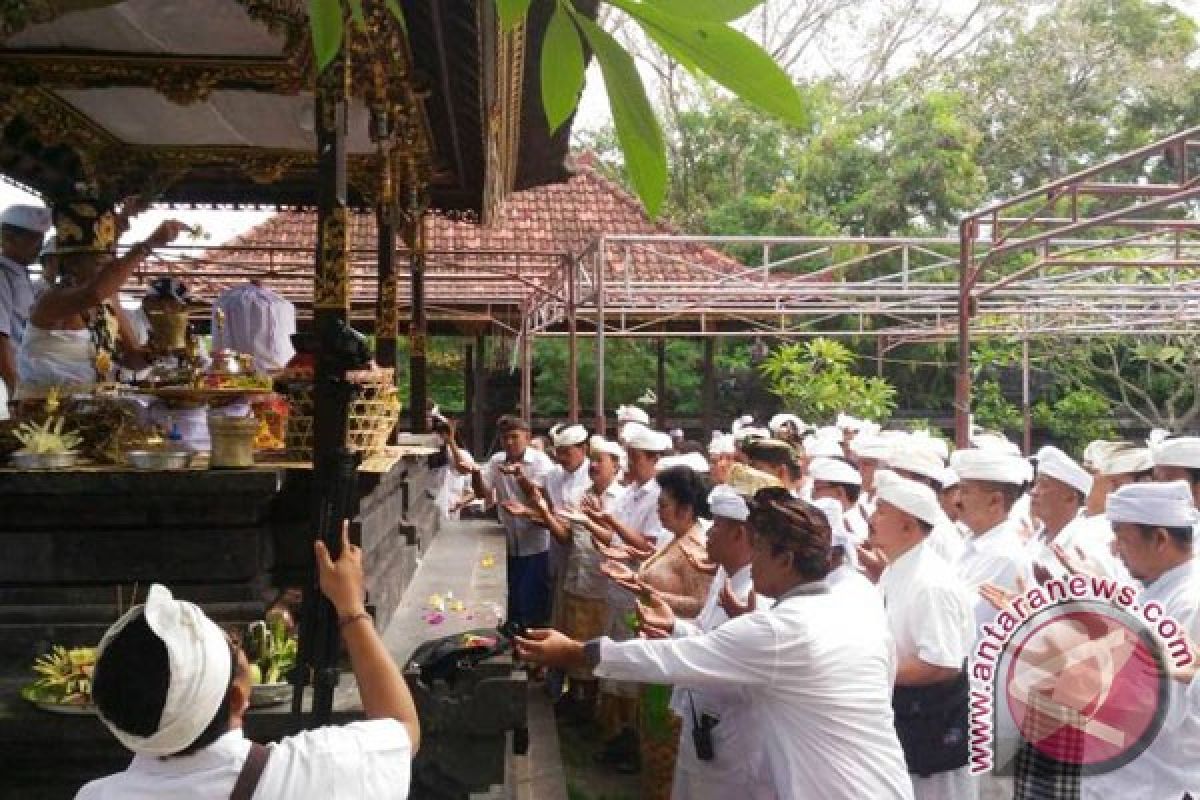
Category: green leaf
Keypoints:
(562, 69)
(638, 132)
(398, 13)
(511, 12)
(356, 12)
(325, 17)
(709, 10)
(725, 55)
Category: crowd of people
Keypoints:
(789, 610)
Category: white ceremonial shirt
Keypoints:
(946, 540)
(930, 614)
(998, 556)
(360, 761)
(566, 489)
(1083, 533)
(819, 677)
(738, 768)
(638, 509)
(1170, 766)
(258, 321)
(524, 537)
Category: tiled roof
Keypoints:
(469, 264)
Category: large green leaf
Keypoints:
(511, 12)
(725, 55)
(398, 13)
(325, 17)
(562, 69)
(711, 10)
(638, 132)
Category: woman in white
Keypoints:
(820, 688)
(76, 334)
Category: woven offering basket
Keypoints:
(374, 412)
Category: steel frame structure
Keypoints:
(1113, 249)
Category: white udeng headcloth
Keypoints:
(1167, 504)
(726, 502)
(200, 669)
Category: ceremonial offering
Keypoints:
(64, 682)
(272, 651)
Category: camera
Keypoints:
(702, 737)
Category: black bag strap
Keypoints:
(252, 770)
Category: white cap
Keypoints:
(1098, 451)
(1182, 451)
(926, 441)
(632, 414)
(1127, 460)
(723, 501)
(912, 497)
(648, 441)
(1157, 436)
(30, 218)
(834, 470)
(722, 444)
(917, 457)
(1058, 465)
(822, 447)
(974, 464)
(994, 442)
(779, 420)
(598, 444)
(832, 510)
(629, 431)
(848, 423)
(948, 478)
(744, 421)
(199, 661)
(693, 461)
(872, 446)
(1167, 504)
(741, 434)
(568, 435)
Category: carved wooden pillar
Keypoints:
(387, 323)
(418, 329)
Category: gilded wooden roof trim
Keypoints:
(181, 80)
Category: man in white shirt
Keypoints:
(632, 528)
(1153, 523)
(258, 321)
(173, 689)
(21, 231)
(1178, 459)
(729, 760)
(835, 478)
(918, 458)
(499, 482)
(820, 688)
(994, 552)
(1059, 492)
(930, 616)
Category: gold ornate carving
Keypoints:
(331, 286)
(387, 326)
(183, 81)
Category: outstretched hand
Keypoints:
(548, 647)
(734, 607)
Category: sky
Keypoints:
(224, 225)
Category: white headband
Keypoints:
(1183, 451)
(727, 503)
(694, 461)
(568, 435)
(199, 661)
(834, 470)
(913, 498)
(1167, 504)
(1058, 465)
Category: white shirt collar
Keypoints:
(232, 746)
(1172, 578)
